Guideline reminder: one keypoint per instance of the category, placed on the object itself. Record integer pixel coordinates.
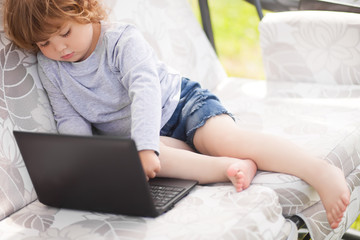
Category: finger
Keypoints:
(152, 174)
(157, 169)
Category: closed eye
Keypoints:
(44, 44)
(66, 34)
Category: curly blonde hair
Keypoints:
(27, 22)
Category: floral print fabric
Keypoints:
(311, 98)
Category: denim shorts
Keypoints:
(196, 105)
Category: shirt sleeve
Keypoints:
(137, 64)
(67, 119)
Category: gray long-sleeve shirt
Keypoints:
(120, 89)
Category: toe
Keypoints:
(345, 199)
(231, 172)
(336, 211)
(330, 218)
(240, 177)
(334, 225)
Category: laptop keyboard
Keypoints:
(164, 194)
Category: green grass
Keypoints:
(235, 27)
(356, 224)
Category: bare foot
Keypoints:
(334, 193)
(241, 173)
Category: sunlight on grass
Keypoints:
(356, 224)
(235, 27)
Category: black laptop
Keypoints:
(95, 173)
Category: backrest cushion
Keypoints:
(175, 34)
(23, 106)
(311, 46)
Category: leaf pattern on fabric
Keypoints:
(36, 216)
(22, 106)
(19, 95)
(319, 219)
(327, 47)
(348, 75)
(12, 194)
(19, 89)
(117, 226)
(69, 233)
(292, 200)
(281, 63)
(354, 179)
(304, 104)
(349, 150)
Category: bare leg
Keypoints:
(180, 161)
(220, 136)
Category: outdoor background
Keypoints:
(235, 26)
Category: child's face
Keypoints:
(72, 43)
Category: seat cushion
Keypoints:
(322, 119)
(216, 212)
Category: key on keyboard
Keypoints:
(163, 194)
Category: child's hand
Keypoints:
(150, 162)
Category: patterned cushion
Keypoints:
(172, 30)
(304, 104)
(296, 48)
(23, 106)
(207, 213)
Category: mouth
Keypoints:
(67, 56)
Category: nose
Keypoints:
(59, 45)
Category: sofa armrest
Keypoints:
(311, 46)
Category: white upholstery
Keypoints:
(307, 46)
(309, 99)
